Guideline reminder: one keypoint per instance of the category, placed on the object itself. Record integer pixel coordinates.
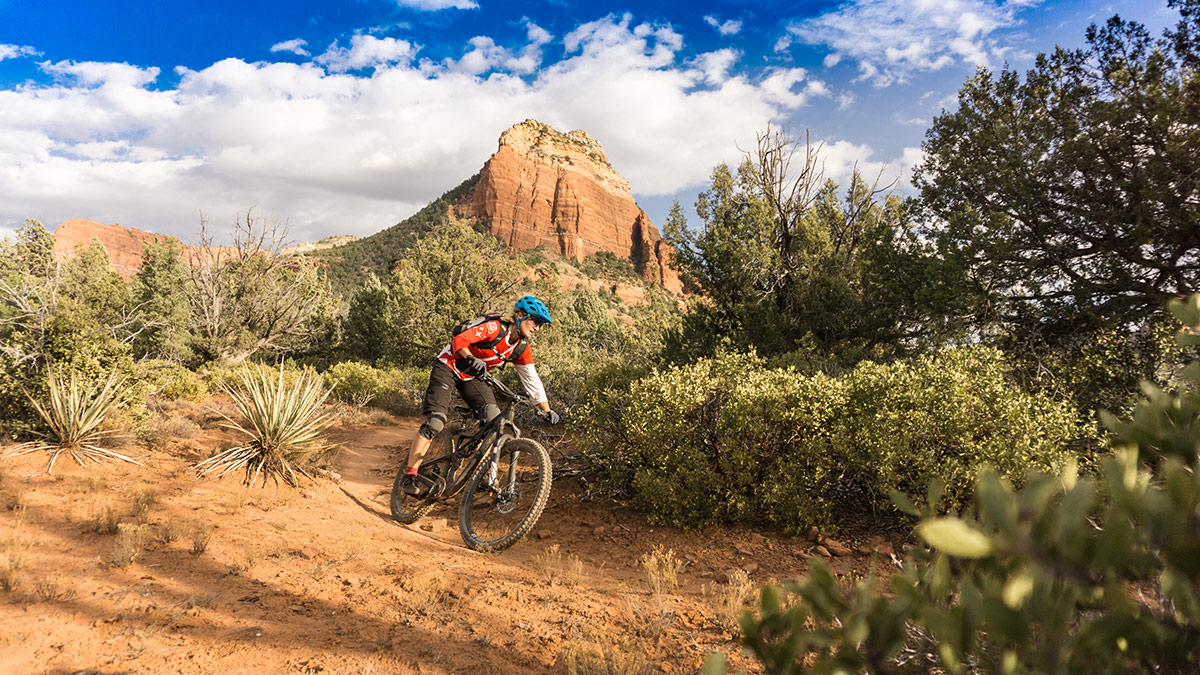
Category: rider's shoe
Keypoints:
(411, 486)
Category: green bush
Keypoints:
(1068, 574)
(943, 417)
(354, 383)
(728, 439)
(170, 380)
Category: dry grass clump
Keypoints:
(428, 594)
(14, 550)
(130, 543)
(554, 568)
(12, 499)
(591, 658)
(158, 436)
(89, 484)
(174, 528)
(143, 501)
(728, 600)
(48, 590)
(245, 563)
(284, 424)
(200, 533)
(75, 412)
(102, 519)
(662, 573)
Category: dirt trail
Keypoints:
(320, 579)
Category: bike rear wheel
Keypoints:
(408, 508)
(505, 497)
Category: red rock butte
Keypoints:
(124, 244)
(546, 188)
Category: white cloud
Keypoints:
(783, 85)
(840, 159)
(891, 39)
(716, 65)
(730, 27)
(434, 5)
(295, 46)
(335, 148)
(485, 54)
(16, 51)
(366, 51)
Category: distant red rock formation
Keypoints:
(124, 244)
(546, 188)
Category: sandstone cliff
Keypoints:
(124, 244)
(546, 188)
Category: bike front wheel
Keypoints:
(505, 496)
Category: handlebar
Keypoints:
(490, 380)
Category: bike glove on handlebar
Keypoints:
(471, 365)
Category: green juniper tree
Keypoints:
(789, 263)
(159, 294)
(1070, 197)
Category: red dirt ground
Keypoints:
(320, 579)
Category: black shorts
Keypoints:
(438, 395)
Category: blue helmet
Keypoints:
(533, 307)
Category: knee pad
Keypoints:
(489, 411)
(433, 424)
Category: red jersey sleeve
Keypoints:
(488, 330)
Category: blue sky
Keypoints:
(345, 117)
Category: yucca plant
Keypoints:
(283, 421)
(73, 412)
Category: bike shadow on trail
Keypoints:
(250, 613)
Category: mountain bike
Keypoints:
(504, 478)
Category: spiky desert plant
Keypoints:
(73, 411)
(283, 421)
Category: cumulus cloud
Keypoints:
(362, 136)
(840, 159)
(890, 39)
(295, 46)
(434, 5)
(366, 51)
(16, 51)
(484, 54)
(730, 27)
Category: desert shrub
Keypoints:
(607, 265)
(403, 388)
(1068, 574)
(169, 380)
(353, 382)
(946, 415)
(727, 439)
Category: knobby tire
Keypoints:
(482, 524)
(406, 508)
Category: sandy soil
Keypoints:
(319, 579)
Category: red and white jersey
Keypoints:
(475, 339)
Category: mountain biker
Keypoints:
(470, 354)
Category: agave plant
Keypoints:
(283, 421)
(73, 412)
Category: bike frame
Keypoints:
(486, 441)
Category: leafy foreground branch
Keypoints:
(73, 412)
(1064, 575)
(283, 421)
